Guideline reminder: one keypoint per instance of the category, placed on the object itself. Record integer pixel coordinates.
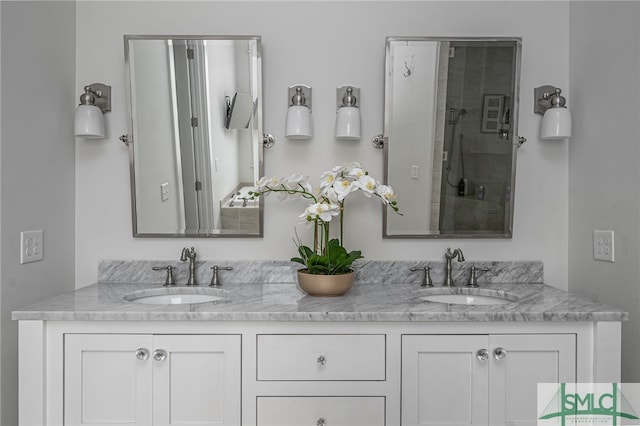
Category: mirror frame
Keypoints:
(130, 142)
(515, 137)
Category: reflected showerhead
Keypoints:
(454, 115)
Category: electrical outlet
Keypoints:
(31, 246)
(603, 248)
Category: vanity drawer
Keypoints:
(297, 357)
(321, 411)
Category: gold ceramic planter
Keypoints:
(325, 285)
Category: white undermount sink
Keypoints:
(467, 296)
(175, 296)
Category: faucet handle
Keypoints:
(426, 279)
(215, 281)
(473, 279)
(169, 281)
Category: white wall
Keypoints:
(37, 165)
(604, 172)
(323, 44)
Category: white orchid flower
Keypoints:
(352, 165)
(293, 182)
(357, 172)
(264, 184)
(386, 193)
(322, 211)
(330, 194)
(342, 187)
(367, 184)
(307, 187)
(269, 182)
(327, 199)
(261, 183)
(327, 179)
(346, 167)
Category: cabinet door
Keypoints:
(321, 411)
(444, 381)
(106, 381)
(196, 380)
(527, 360)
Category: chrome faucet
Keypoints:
(449, 255)
(191, 255)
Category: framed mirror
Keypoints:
(450, 135)
(195, 136)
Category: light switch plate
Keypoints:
(164, 191)
(31, 246)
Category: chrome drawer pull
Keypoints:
(321, 361)
(321, 422)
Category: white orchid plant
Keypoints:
(327, 256)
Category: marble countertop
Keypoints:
(285, 302)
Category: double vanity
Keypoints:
(256, 350)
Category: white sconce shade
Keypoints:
(348, 114)
(298, 122)
(89, 121)
(556, 122)
(348, 123)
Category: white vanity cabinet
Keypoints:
(317, 373)
(151, 379)
(481, 379)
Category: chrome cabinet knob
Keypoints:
(482, 354)
(159, 355)
(321, 360)
(500, 353)
(142, 354)
(321, 422)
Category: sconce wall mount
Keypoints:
(347, 113)
(298, 123)
(95, 101)
(300, 95)
(556, 122)
(545, 97)
(97, 94)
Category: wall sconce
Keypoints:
(348, 113)
(89, 122)
(298, 125)
(556, 122)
